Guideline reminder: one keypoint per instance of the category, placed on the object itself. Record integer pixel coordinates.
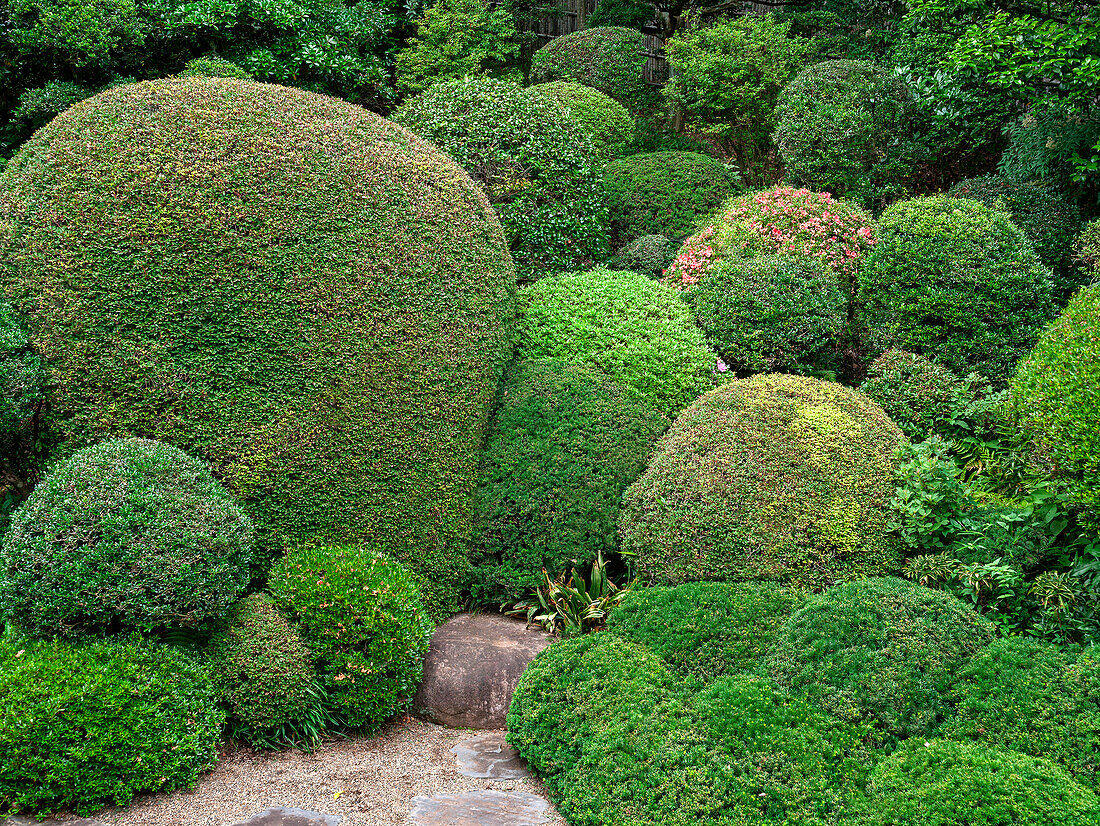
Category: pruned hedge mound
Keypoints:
(298, 292)
(606, 122)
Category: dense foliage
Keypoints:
(21, 379)
(604, 120)
(649, 254)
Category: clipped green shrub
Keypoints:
(263, 673)
(126, 534)
(956, 281)
(360, 614)
(940, 783)
(773, 313)
(706, 629)
(775, 477)
(634, 330)
(663, 193)
(213, 66)
(566, 443)
(604, 120)
(319, 314)
(532, 159)
(650, 255)
(844, 126)
(879, 651)
(85, 726)
(21, 383)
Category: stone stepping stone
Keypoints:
(280, 816)
(488, 757)
(487, 808)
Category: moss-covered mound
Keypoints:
(775, 477)
(285, 285)
(606, 121)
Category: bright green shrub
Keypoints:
(566, 443)
(21, 381)
(607, 123)
(263, 672)
(940, 783)
(636, 331)
(706, 629)
(86, 726)
(534, 162)
(956, 281)
(650, 255)
(129, 533)
(320, 314)
(213, 66)
(775, 477)
(360, 614)
(663, 193)
(879, 651)
(772, 313)
(80, 33)
(844, 126)
(1020, 694)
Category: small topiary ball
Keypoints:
(360, 614)
(940, 783)
(85, 726)
(263, 672)
(213, 66)
(772, 313)
(663, 193)
(566, 444)
(129, 533)
(606, 122)
(650, 255)
(880, 651)
(956, 281)
(775, 477)
(21, 379)
(635, 331)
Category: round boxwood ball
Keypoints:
(775, 477)
(663, 193)
(293, 289)
(129, 533)
(606, 121)
(957, 281)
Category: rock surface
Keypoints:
(279, 816)
(489, 757)
(487, 808)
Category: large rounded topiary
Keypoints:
(566, 444)
(533, 160)
(663, 193)
(129, 533)
(775, 477)
(606, 122)
(302, 294)
(956, 281)
(636, 331)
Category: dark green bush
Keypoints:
(1087, 250)
(650, 255)
(21, 380)
(956, 281)
(319, 313)
(663, 193)
(129, 533)
(773, 313)
(775, 477)
(879, 651)
(940, 783)
(630, 14)
(213, 66)
(82, 727)
(606, 122)
(360, 614)
(634, 330)
(706, 629)
(566, 443)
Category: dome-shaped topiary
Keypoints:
(881, 651)
(533, 160)
(956, 281)
(567, 442)
(843, 126)
(606, 122)
(129, 533)
(306, 296)
(634, 330)
(775, 477)
(650, 255)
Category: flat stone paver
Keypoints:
(280, 816)
(487, 808)
(489, 757)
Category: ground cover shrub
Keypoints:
(565, 445)
(534, 162)
(360, 613)
(650, 255)
(776, 477)
(773, 313)
(663, 193)
(84, 726)
(607, 123)
(956, 281)
(634, 330)
(882, 651)
(126, 534)
(21, 380)
(706, 629)
(319, 315)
